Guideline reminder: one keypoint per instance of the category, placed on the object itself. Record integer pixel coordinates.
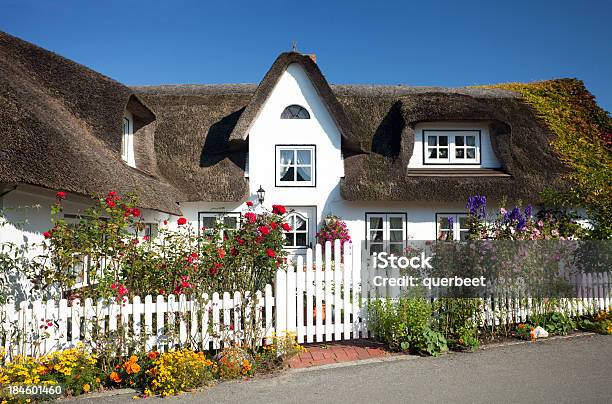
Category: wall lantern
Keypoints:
(261, 194)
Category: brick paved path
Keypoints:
(337, 352)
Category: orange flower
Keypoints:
(521, 326)
(114, 376)
(131, 366)
(153, 355)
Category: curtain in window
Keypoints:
(300, 223)
(286, 158)
(303, 157)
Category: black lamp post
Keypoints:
(261, 195)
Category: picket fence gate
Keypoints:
(320, 298)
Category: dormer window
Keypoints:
(127, 141)
(451, 146)
(295, 112)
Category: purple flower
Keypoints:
(477, 206)
(528, 210)
(522, 223)
(451, 222)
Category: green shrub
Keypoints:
(456, 321)
(405, 324)
(555, 323)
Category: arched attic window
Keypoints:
(295, 112)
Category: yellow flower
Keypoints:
(86, 388)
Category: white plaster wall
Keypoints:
(269, 130)
(488, 159)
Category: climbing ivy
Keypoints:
(583, 142)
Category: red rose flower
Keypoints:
(136, 212)
(270, 252)
(264, 230)
(214, 269)
(251, 217)
(60, 195)
(273, 225)
(47, 234)
(221, 253)
(146, 238)
(240, 241)
(278, 209)
(181, 221)
(286, 226)
(234, 252)
(110, 203)
(249, 204)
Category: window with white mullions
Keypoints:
(386, 232)
(465, 147)
(298, 236)
(437, 147)
(208, 221)
(451, 147)
(452, 226)
(295, 165)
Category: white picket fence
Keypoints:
(328, 301)
(320, 298)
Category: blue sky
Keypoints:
(446, 43)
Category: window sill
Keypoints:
(456, 172)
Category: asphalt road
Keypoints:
(577, 370)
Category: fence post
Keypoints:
(148, 319)
(269, 305)
(291, 299)
(328, 292)
(161, 329)
(337, 317)
(300, 286)
(281, 299)
(319, 292)
(346, 296)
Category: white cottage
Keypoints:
(393, 161)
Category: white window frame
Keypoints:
(452, 147)
(295, 148)
(386, 243)
(295, 231)
(127, 141)
(218, 216)
(457, 230)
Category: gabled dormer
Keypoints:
(295, 129)
(137, 137)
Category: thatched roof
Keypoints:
(385, 117)
(61, 128)
(194, 123)
(60, 125)
(265, 87)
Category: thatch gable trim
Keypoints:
(266, 86)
